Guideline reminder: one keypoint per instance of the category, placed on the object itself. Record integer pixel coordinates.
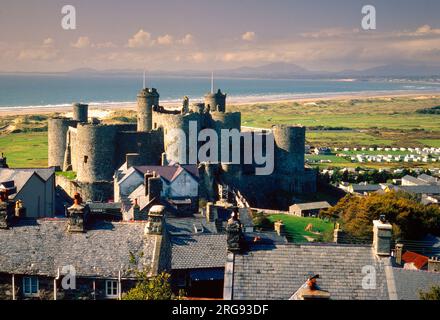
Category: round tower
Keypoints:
(216, 101)
(95, 152)
(198, 107)
(146, 99)
(80, 112)
(289, 148)
(57, 131)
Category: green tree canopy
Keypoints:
(410, 219)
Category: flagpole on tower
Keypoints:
(212, 82)
(144, 80)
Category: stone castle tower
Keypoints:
(94, 150)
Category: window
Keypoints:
(30, 286)
(85, 159)
(111, 288)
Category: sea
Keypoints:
(59, 90)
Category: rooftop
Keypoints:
(313, 205)
(275, 272)
(40, 247)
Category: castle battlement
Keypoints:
(95, 150)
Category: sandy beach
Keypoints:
(104, 109)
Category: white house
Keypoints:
(178, 182)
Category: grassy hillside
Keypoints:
(295, 227)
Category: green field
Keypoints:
(376, 121)
(25, 149)
(295, 227)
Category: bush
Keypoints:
(261, 221)
(432, 294)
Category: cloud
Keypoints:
(141, 39)
(187, 39)
(81, 43)
(427, 29)
(248, 36)
(48, 42)
(165, 40)
(36, 54)
(107, 45)
(330, 33)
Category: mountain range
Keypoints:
(285, 70)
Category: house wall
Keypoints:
(38, 197)
(133, 180)
(85, 290)
(183, 186)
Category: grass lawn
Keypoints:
(25, 149)
(431, 142)
(295, 227)
(69, 174)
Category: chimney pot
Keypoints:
(382, 234)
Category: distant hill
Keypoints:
(280, 70)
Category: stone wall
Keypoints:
(97, 191)
(57, 130)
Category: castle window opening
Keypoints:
(86, 158)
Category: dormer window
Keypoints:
(30, 287)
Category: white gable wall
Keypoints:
(184, 186)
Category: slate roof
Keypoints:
(409, 282)
(199, 251)
(20, 178)
(185, 225)
(421, 189)
(414, 180)
(365, 187)
(313, 205)
(275, 272)
(428, 179)
(44, 173)
(40, 247)
(169, 173)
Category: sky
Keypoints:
(175, 35)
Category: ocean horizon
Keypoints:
(45, 91)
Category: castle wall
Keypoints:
(216, 101)
(80, 112)
(95, 152)
(149, 146)
(289, 149)
(57, 130)
(146, 99)
(168, 122)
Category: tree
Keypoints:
(410, 219)
(148, 287)
(432, 294)
(151, 288)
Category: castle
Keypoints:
(95, 150)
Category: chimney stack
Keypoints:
(211, 212)
(78, 214)
(154, 187)
(6, 210)
(434, 264)
(20, 210)
(132, 159)
(398, 253)
(164, 161)
(382, 234)
(280, 227)
(155, 220)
